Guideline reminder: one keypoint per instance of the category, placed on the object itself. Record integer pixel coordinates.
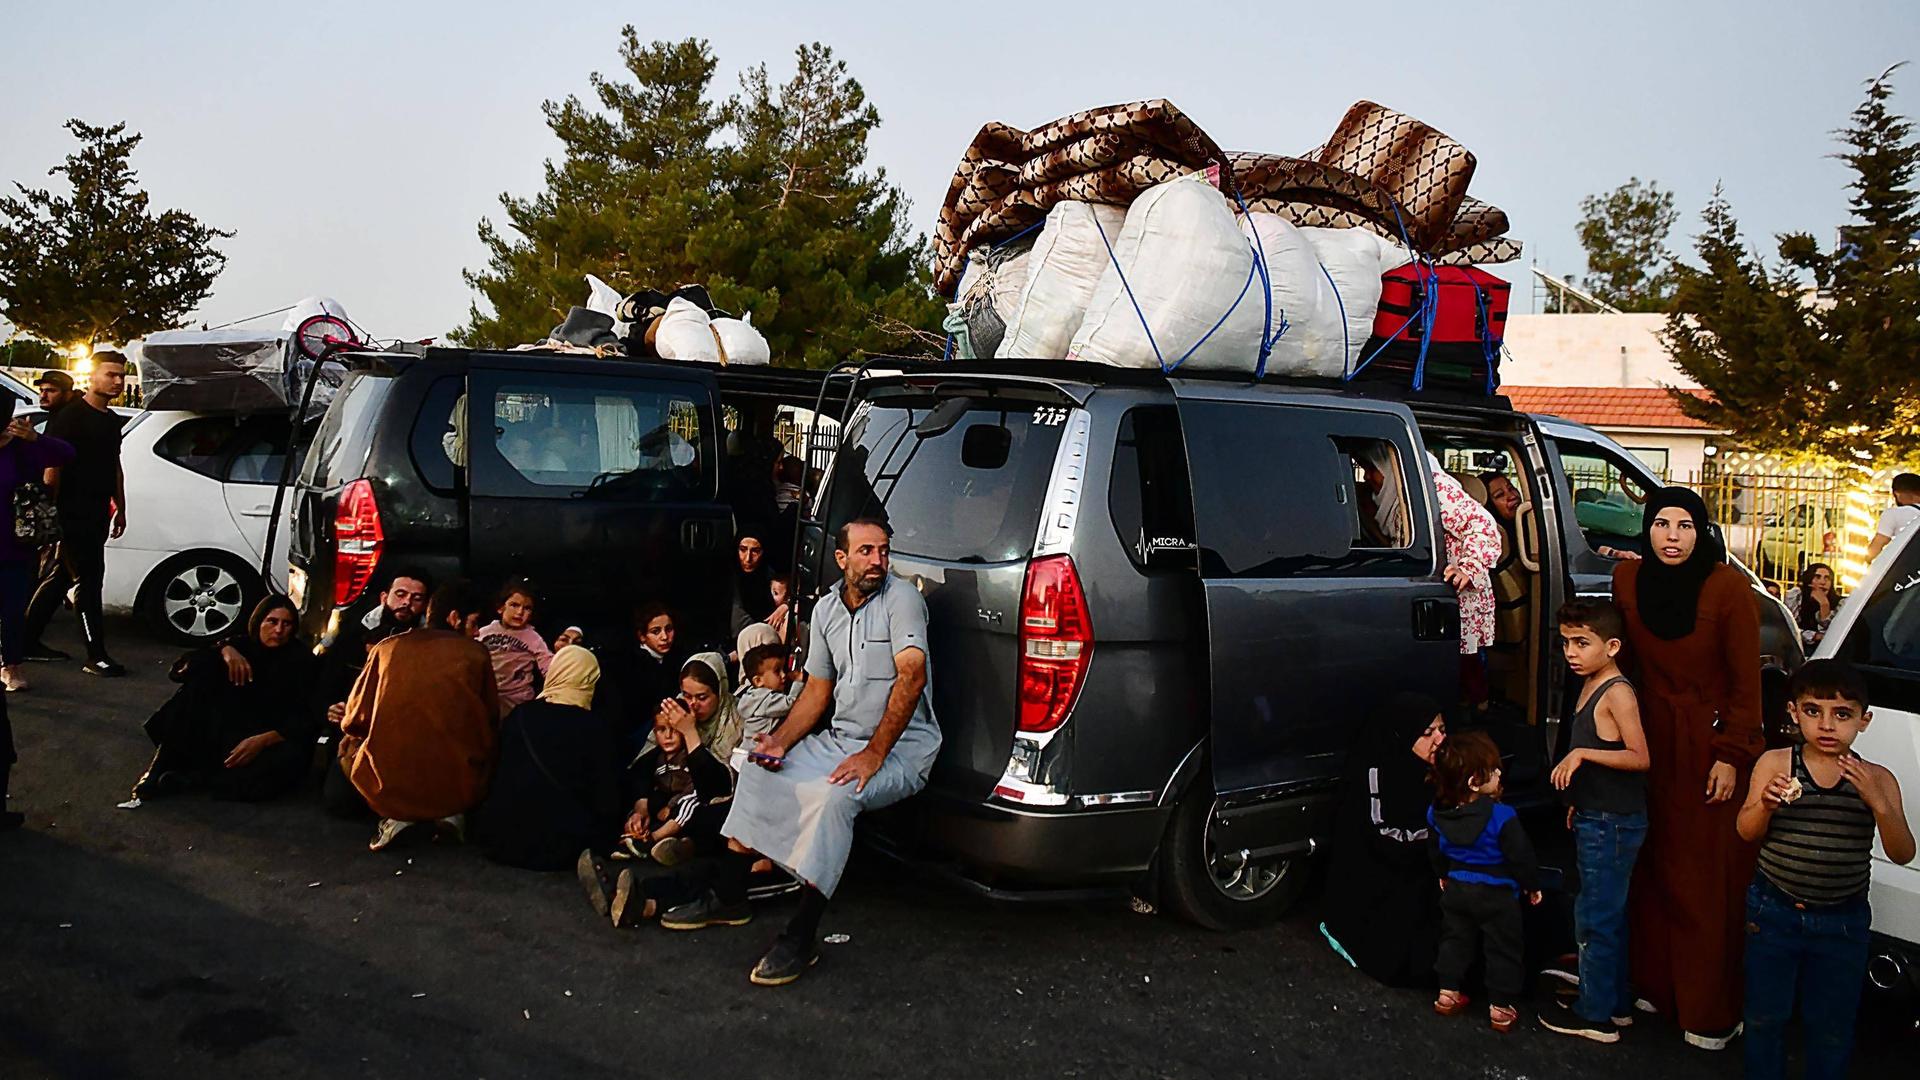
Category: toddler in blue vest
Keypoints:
(1486, 864)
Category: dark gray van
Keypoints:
(1159, 606)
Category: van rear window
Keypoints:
(346, 433)
(969, 494)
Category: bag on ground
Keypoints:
(1180, 291)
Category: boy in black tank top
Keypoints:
(1814, 809)
(1604, 778)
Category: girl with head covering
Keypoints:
(1383, 901)
(557, 787)
(1693, 652)
(706, 703)
(242, 726)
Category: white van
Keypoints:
(1877, 629)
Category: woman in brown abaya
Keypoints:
(1693, 642)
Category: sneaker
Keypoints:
(14, 678)
(673, 851)
(706, 911)
(46, 653)
(628, 906)
(1645, 1006)
(1713, 1040)
(594, 880)
(455, 824)
(785, 962)
(388, 831)
(1566, 969)
(161, 785)
(1623, 1021)
(103, 667)
(1558, 1017)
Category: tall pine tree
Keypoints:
(97, 263)
(764, 197)
(1827, 372)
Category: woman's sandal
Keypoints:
(1450, 1003)
(1502, 1017)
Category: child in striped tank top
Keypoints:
(1814, 809)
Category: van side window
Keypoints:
(259, 452)
(1884, 642)
(1379, 518)
(1281, 490)
(577, 436)
(433, 441)
(199, 443)
(1148, 497)
(1609, 496)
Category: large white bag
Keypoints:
(1312, 342)
(1063, 270)
(1189, 271)
(685, 332)
(743, 344)
(1355, 259)
(989, 290)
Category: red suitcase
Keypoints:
(1440, 322)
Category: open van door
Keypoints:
(602, 487)
(1320, 556)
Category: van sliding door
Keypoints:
(1320, 560)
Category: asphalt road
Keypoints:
(208, 939)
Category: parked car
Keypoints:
(608, 482)
(201, 494)
(1158, 607)
(1877, 629)
(1804, 534)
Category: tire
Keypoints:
(1209, 891)
(199, 597)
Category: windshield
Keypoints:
(969, 494)
(1887, 632)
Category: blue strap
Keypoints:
(1266, 292)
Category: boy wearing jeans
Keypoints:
(1815, 808)
(1604, 776)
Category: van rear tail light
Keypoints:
(1056, 643)
(357, 539)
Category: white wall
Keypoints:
(1588, 350)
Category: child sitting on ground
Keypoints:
(1814, 809)
(1604, 776)
(1485, 863)
(680, 794)
(769, 693)
(520, 655)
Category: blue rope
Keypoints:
(948, 353)
(1018, 235)
(1427, 300)
(1165, 368)
(1266, 293)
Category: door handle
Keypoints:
(1435, 619)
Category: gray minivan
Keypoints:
(1160, 605)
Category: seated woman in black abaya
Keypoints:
(244, 720)
(1383, 901)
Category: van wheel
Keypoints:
(199, 597)
(1218, 889)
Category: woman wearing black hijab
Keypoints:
(1383, 901)
(1693, 652)
(246, 735)
(752, 580)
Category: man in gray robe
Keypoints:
(800, 793)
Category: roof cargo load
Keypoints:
(237, 371)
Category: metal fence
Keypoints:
(1779, 523)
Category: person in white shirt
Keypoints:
(1904, 512)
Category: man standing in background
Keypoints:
(1903, 513)
(91, 494)
(56, 390)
